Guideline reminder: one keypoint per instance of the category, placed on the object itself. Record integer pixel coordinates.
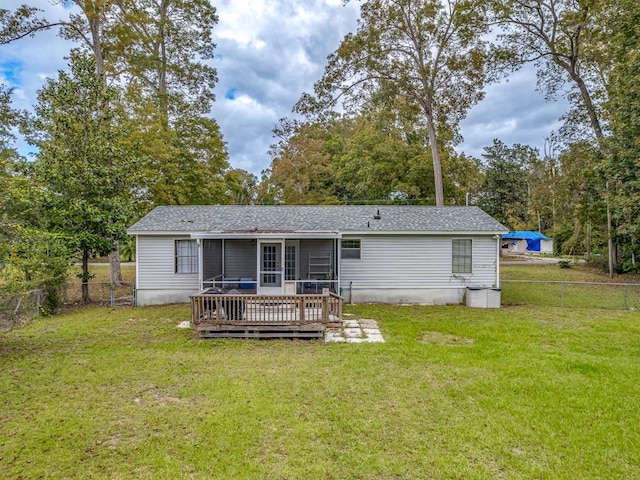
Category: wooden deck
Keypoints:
(264, 316)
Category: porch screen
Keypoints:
(461, 256)
(186, 256)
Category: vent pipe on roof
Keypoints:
(377, 215)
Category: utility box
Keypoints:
(483, 297)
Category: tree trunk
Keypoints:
(589, 106)
(435, 153)
(115, 272)
(610, 245)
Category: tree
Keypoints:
(504, 192)
(8, 158)
(242, 187)
(565, 39)
(163, 46)
(88, 177)
(581, 219)
(20, 23)
(428, 52)
(29, 256)
(622, 165)
(161, 50)
(301, 169)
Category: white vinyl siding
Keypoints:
(186, 256)
(156, 265)
(416, 261)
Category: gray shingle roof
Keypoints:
(340, 218)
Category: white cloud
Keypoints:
(270, 51)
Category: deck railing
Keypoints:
(307, 286)
(254, 309)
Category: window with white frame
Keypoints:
(186, 256)
(461, 255)
(350, 248)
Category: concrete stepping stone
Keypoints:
(355, 331)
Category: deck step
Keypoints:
(309, 330)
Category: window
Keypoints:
(186, 256)
(350, 249)
(461, 256)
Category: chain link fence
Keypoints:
(18, 309)
(100, 293)
(571, 294)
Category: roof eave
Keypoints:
(424, 232)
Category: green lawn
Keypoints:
(454, 393)
(573, 293)
(101, 273)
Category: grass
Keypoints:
(101, 273)
(454, 393)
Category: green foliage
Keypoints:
(423, 57)
(36, 260)
(128, 249)
(371, 158)
(622, 165)
(565, 39)
(504, 192)
(159, 53)
(30, 258)
(161, 50)
(87, 176)
(242, 186)
(19, 23)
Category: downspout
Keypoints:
(336, 266)
(201, 263)
(223, 257)
(137, 287)
(498, 237)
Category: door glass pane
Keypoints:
(269, 264)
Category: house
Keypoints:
(521, 241)
(388, 254)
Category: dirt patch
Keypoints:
(439, 338)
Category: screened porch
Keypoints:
(270, 266)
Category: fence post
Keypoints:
(38, 301)
(302, 307)
(562, 294)
(626, 307)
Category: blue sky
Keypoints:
(269, 52)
